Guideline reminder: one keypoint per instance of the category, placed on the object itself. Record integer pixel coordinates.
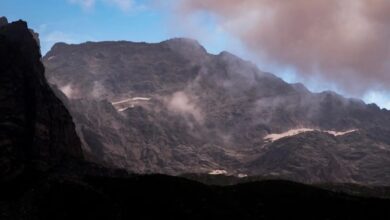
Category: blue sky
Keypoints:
(73, 22)
(76, 21)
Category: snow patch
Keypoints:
(125, 104)
(289, 133)
(293, 132)
(242, 175)
(141, 99)
(340, 133)
(124, 109)
(218, 172)
(131, 100)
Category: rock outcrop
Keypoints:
(36, 130)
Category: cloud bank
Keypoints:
(346, 42)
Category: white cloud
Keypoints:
(49, 38)
(58, 36)
(87, 4)
(181, 103)
(381, 98)
(124, 5)
(41, 28)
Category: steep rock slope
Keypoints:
(36, 130)
(173, 108)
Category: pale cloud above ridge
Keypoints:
(344, 42)
(124, 5)
(58, 36)
(86, 4)
(49, 38)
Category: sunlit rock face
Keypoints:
(171, 107)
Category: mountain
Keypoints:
(44, 174)
(37, 132)
(173, 108)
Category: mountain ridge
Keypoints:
(203, 112)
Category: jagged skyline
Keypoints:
(76, 21)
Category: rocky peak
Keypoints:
(300, 88)
(3, 21)
(36, 130)
(181, 43)
(188, 48)
(59, 45)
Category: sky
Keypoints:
(224, 25)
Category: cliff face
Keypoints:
(36, 130)
(173, 108)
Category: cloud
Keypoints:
(98, 90)
(344, 42)
(124, 5)
(59, 36)
(379, 97)
(182, 103)
(86, 4)
(49, 38)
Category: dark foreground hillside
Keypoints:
(43, 174)
(155, 196)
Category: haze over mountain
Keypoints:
(342, 42)
(172, 108)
